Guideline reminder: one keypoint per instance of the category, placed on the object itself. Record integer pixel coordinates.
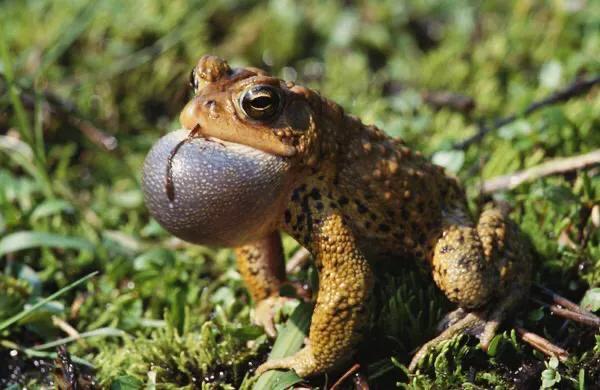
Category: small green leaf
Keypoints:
(581, 379)
(125, 382)
(27, 273)
(591, 299)
(27, 239)
(551, 74)
(549, 378)
(493, 347)
(452, 160)
(246, 333)
(50, 207)
(536, 315)
(127, 199)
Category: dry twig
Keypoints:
(346, 375)
(552, 167)
(451, 100)
(542, 345)
(577, 88)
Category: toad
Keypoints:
(266, 156)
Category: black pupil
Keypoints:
(262, 102)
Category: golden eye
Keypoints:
(261, 102)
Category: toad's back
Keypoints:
(391, 196)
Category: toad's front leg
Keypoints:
(342, 309)
(262, 267)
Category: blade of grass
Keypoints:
(38, 131)
(68, 35)
(28, 311)
(288, 341)
(24, 126)
(27, 239)
(100, 332)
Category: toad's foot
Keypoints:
(265, 311)
(484, 327)
(303, 363)
(473, 323)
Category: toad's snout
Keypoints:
(221, 193)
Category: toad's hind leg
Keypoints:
(484, 269)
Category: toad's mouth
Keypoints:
(169, 186)
(194, 118)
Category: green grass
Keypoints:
(163, 314)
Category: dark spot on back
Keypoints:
(296, 195)
(288, 216)
(360, 207)
(384, 228)
(343, 200)
(315, 194)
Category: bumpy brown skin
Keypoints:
(357, 196)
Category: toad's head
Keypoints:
(225, 178)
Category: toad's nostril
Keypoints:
(211, 105)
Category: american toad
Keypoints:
(273, 156)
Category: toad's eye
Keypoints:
(261, 102)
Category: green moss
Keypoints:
(123, 68)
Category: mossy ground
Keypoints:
(163, 314)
